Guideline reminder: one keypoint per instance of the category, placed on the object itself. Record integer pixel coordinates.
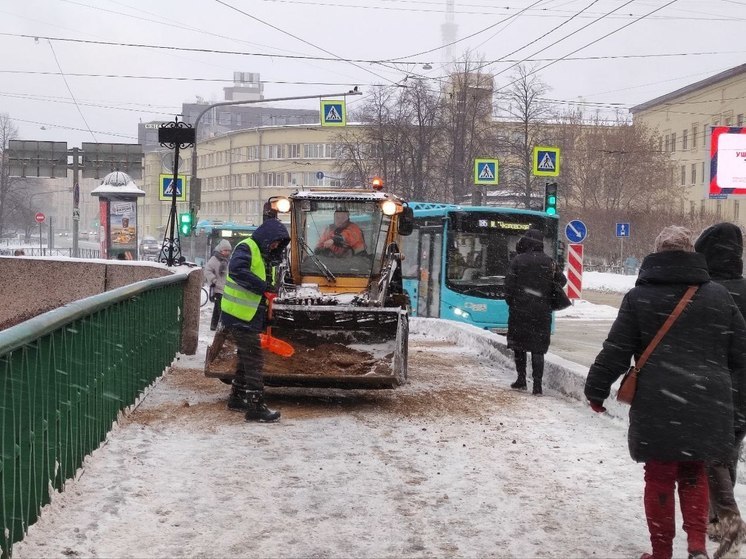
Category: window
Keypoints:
(735, 210)
(694, 173)
(739, 120)
(695, 129)
(667, 142)
(685, 139)
(683, 175)
(673, 141)
(703, 171)
(719, 209)
(293, 151)
(701, 208)
(224, 118)
(660, 143)
(691, 209)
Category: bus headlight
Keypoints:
(461, 313)
(388, 207)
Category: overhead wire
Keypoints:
(483, 30)
(72, 95)
(618, 29)
(297, 38)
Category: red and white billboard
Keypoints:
(728, 161)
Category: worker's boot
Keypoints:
(258, 410)
(239, 400)
(520, 382)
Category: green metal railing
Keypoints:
(65, 376)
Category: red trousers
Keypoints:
(660, 481)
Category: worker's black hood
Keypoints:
(722, 246)
(268, 232)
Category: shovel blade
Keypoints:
(276, 346)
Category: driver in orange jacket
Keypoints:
(342, 238)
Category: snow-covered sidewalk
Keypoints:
(452, 464)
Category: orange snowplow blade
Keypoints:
(276, 345)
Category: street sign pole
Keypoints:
(175, 135)
(76, 199)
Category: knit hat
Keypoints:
(223, 245)
(674, 237)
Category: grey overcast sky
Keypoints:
(80, 90)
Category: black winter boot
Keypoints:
(520, 382)
(258, 410)
(537, 387)
(239, 399)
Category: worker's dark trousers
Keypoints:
(250, 359)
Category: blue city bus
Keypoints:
(200, 245)
(456, 259)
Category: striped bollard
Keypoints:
(575, 270)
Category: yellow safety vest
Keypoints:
(238, 301)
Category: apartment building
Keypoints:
(684, 120)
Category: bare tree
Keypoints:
(8, 131)
(466, 113)
(615, 165)
(527, 116)
(396, 141)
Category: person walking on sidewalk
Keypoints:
(248, 287)
(528, 288)
(688, 390)
(722, 246)
(215, 272)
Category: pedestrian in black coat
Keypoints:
(688, 392)
(722, 246)
(528, 288)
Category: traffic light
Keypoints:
(550, 198)
(185, 224)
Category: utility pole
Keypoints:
(76, 199)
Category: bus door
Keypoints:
(428, 285)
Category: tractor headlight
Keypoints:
(282, 205)
(388, 207)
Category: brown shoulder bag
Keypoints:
(628, 387)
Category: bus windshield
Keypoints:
(342, 237)
(480, 248)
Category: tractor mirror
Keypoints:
(406, 221)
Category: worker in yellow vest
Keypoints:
(244, 310)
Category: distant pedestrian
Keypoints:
(528, 288)
(19, 252)
(215, 272)
(722, 246)
(688, 391)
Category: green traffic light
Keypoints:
(551, 211)
(551, 200)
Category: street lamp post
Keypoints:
(195, 190)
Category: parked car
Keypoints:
(149, 247)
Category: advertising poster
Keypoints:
(103, 235)
(123, 228)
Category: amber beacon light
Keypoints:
(377, 183)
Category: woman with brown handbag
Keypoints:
(675, 424)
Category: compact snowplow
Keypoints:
(341, 303)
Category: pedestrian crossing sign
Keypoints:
(166, 191)
(546, 161)
(485, 171)
(333, 113)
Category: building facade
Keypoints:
(240, 170)
(684, 119)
